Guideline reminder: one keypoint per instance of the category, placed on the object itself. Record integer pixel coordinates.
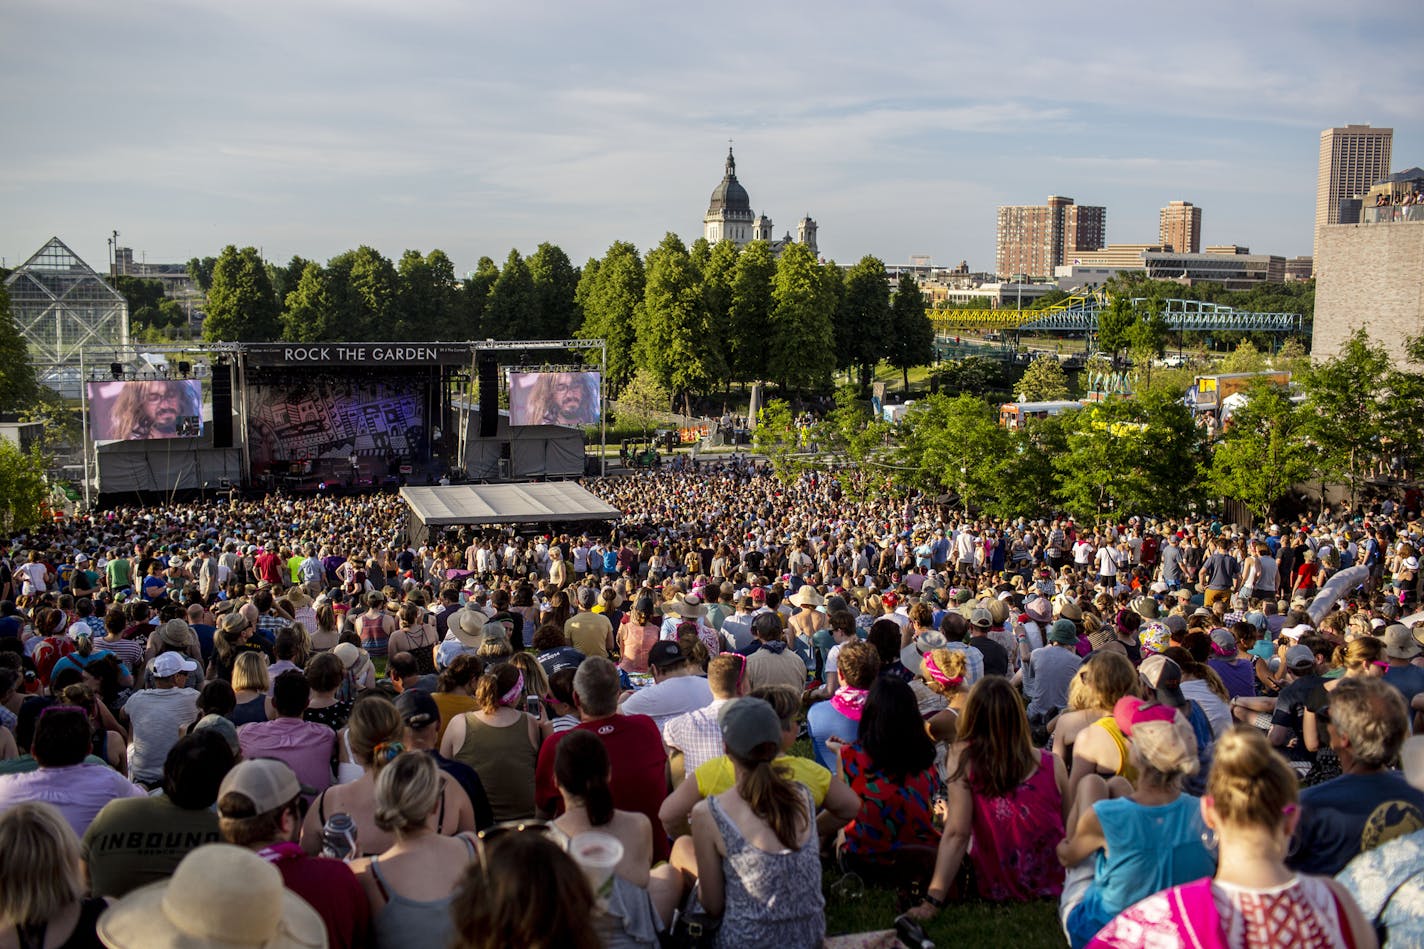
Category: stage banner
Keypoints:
(150, 408)
(380, 355)
(570, 399)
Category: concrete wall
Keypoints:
(1369, 275)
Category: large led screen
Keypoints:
(554, 398)
(298, 424)
(148, 408)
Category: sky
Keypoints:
(314, 126)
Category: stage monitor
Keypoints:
(554, 398)
(148, 408)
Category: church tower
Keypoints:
(729, 213)
(806, 233)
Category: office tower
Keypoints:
(1352, 159)
(1180, 227)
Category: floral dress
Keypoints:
(892, 814)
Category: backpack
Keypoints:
(47, 654)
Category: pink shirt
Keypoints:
(80, 791)
(306, 747)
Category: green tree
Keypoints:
(23, 488)
(799, 338)
(1350, 412)
(143, 297)
(312, 315)
(18, 387)
(719, 273)
(1043, 381)
(426, 291)
(1114, 325)
(512, 310)
(473, 297)
(672, 323)
(1139, 455)
(1024, 480)
(242, 306)
(611, 293)
(750, 313)
(1244, 358)
(910, 336)
(62, 424)
(555, 283)
(372, 290)
(643, 401)
(862, 327)
(285, 279)
(979, 376)
(777, 438)
(1263, 450)
(200, 270)
(952, 444)
(1147, 337)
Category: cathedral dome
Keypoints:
(730, 195)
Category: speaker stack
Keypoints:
(488, 368)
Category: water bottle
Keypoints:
(338, 838)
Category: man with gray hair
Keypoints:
(771, 662)
(1370, 803)
(640, 778)
(589, 632)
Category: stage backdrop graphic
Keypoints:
(145, 408)
(554, 398)
(294, 422)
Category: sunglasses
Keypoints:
(490, 834)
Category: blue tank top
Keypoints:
(404, 922)
(1148, 850)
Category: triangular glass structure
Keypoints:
(62, 307)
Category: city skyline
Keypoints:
(312, 128)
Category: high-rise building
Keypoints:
(1352, 159)
(1033, 239)
(1180, 227)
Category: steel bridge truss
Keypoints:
(1079, 314)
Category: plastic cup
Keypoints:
(597, 854)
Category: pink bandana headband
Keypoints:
(936, 673)
(512, 696)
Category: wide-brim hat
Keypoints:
(912, 655)
(688, 606)
(174, 632)
(233, 622)
(468, 626)
(187, 911)
(807, 597)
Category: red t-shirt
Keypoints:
(267, 567)
(332, 890)
(639, 761)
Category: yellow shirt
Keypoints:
(716, 776)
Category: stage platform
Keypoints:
(478, 505)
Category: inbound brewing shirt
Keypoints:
(139, 840)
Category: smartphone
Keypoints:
(533, 706)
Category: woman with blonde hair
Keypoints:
(43, 897)
(1363, 657)
(1250, 811)
(944, 672)
(500, 741)
(1085, 736)
(251, 684)
(327, 631)
(412, 883)
(371, 740)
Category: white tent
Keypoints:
(487, 504)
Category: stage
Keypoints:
(325, 417)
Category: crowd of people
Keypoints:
(670, 730)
